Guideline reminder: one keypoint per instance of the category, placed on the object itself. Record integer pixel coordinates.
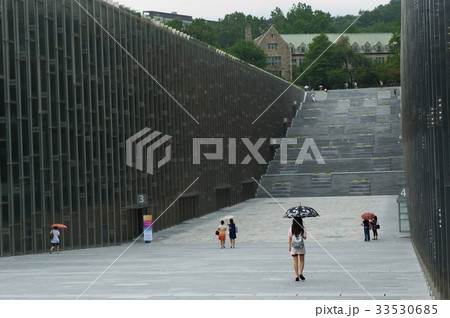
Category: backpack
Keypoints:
(297, 241)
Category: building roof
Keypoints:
(360, 38)
(168, 15)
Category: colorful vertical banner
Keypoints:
(148, 230)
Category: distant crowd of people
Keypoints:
(346, 86)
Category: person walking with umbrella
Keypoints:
(297, 234)
(54, 239)
(366, 224)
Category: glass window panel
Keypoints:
(21, 24)
(2, 96)
(1, 53)
(10, 13)
(12, 61)
(41, 33)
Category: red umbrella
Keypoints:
(368, 216)
(59, 226)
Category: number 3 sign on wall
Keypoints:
(141, 198)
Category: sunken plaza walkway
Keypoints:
(185, 261)
(358, 131)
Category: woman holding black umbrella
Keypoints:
(297, 234)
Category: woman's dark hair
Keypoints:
(222, 222)
(297, 226)
(231, 221)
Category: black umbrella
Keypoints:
(300, 211)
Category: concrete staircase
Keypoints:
(358, 134)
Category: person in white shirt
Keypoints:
(54, 239)
(222, 229)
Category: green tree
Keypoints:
(339, 64)
(389, 72)
(381, 19)
(301, 19)
(176, 24)
(365, 74)
(201, 30)
(347, 57)
(356, 67)
(394, 42)
(248, 52)
(279, 21)
(231, 28)
(336, 78)
(352, 63)
(341, 23)
(319, 60)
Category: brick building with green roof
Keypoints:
(285, 51)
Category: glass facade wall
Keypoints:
(70, 98)
(425, 99)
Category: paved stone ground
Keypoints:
(185, 261)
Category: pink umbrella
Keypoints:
(368, 216)
(59, 226)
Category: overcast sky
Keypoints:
(215, 9)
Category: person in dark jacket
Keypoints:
(366, 225)
(232, 233)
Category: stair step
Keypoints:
(382, 164)
(289, 168)
(359, 187)
(363, 151)
(322, 180)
